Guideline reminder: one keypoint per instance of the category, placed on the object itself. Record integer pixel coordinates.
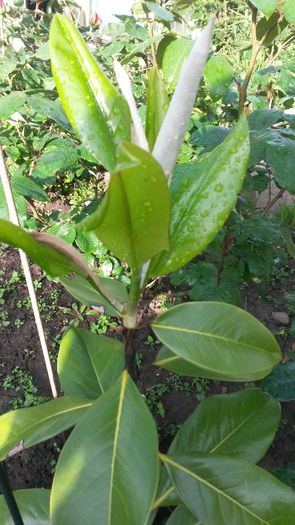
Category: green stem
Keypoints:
(130, 313)
(9, 497)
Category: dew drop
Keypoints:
(204, 213)
(218, 188)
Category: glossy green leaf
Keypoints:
(47, 258)
(203, 195)
(221, 340)
(218, 74)
(95, 109)
(33, 505)
(221, 490)
(157, 105)
(267, 7)
(133, 219)
(241, 425)
(84, 291)
(88, 364)
(27, 426)
(182, 516)
(171, 58)
(107, 472)
(281, 382)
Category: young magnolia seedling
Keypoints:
(155, 219)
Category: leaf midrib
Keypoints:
(211, 336)
(168, 460)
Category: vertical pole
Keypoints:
(4, 177)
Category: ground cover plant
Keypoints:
(155, 218)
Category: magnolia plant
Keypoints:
(155, 218)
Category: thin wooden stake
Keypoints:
(28, 276)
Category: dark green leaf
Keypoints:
(88, 364)
(203, 195)
(281, 382)
(221, 341)
(110, 459)
(50, 109)
(224, 490)
(182, 516)
(28, 188)
(218, 74)
(209, 137)
(241, 425)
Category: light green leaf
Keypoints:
(107, 472)
(241, 425)
(28, 426)
(88, 364)
(182, 516)
(64, 230)
(33, 505)
(218, 74)
(172, 55)
(221, 490)
(85, 292)
(95, 109)
(220, 340)
(20, 204)
(157, 105)
(203, 194)
(160, 12)
(266, 6)
(133, 219)
(11, 103)
(288, 8)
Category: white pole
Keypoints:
(25, 264)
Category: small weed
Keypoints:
(138, 359)
(19, 322)
(103, 324)
(21, 381)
